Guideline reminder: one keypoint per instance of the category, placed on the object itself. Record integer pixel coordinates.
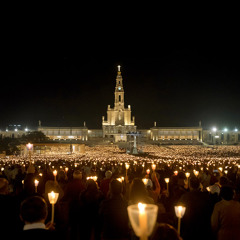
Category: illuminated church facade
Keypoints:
(119, 124)
(119, 121)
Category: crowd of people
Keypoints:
(96, 188)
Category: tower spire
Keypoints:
(119, 92)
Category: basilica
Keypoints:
(119, 123)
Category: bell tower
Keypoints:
(119, 92)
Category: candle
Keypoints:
(142, 221)
(94, 178)
(36, 182)
(145, 181)
(167, 181)
(153, 167)
(119, 179)
(148, 171)
(196, 173)
(187, 174)
(53, 197)
(179, 211)
(127, 167)
(55, 175)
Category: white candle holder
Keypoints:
(143, 219)
(53, 197)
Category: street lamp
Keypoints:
(29, 147)
(214, 129)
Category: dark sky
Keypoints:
(64, 75)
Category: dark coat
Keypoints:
(114, 218)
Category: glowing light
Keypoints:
(214, 129)
(145, 181)
(141, 207)
(29, 146)
(166, 180)
(187, 174)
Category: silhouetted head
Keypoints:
(4, 186)
(33, 210)
(194, 183)
(138, 192)
(226, 193)
(115, 187)
(164, 231)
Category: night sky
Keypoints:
(64, 76)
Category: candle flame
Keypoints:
(166, 180)
(36, 182)
(53, 194)
(141, 207)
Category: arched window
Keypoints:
(119, 98)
